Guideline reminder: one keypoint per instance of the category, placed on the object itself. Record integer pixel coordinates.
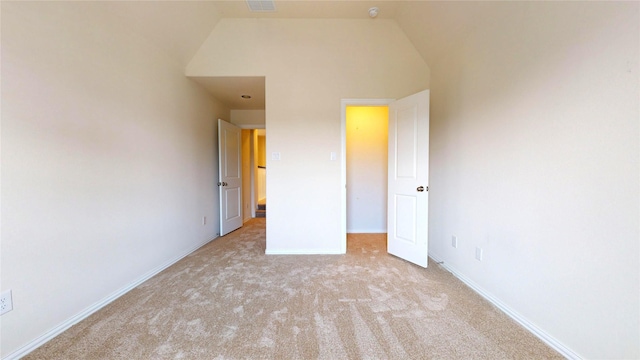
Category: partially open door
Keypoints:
(230, 176)
(408, 196)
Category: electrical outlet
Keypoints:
(204, 220)
(6, 304)
(454, 241)
(479, 254)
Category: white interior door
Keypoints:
(408, 196)
(230, 176)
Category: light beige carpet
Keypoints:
(230, 301)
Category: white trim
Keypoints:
(343, 158)
(531, 327)
(305, 252)
(41, 340)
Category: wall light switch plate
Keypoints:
(275, 156)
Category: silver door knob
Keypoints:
(420, 188)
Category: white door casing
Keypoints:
(408, 196)
(230, 176)
(343, 206)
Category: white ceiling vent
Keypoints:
(261, 6)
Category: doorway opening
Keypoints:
(364, 166)
(407, 210)
(254, 166)
(366, 154)
(367, 150)
(245, 97)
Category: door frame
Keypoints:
(343, 165)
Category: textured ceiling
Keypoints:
(229, 90)
(312, 9)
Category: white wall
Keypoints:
(248, 118)
(310, 65)
(535, 158)
(366, 150)
(108, 163)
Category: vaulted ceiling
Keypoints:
(180, 27)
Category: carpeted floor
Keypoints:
(229, 300)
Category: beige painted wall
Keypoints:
(246, 174)
(261, 172)
(253, 118)
(108, 163)
(310, 65)
(367, 149)
(535, 158)
(262, 150)
(254, 153)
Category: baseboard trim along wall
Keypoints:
(542, 335)
(36, 343)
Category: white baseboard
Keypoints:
(539, 333)
(39, 341)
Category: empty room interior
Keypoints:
(110, 150)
